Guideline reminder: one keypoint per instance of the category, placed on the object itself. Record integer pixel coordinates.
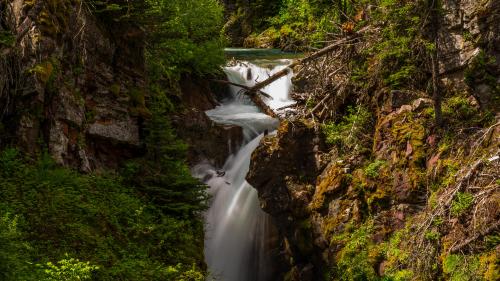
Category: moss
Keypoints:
(380, 199)
(461, 203)
(137, 103)
(490, 266)
(90, 116)
(432, 235)
(81, 141)
(459, 108)
(395, 251)
(410, 132)
(331, 181)
(274, 144)
(53, 19)
(303, 236)
(333, 224)
(7, 39)
(492, 241)
(44, 71)
(310, 103)
(358, 256)
(433, 200)
(460, 267)
(449, 168)
(372, 170)
(115, 89)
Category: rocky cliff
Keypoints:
(73, 82)
(468, 41)
(383, 192)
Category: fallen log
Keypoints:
(254, 95)
(249, 89)
(307, 59)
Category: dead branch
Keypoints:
(254, 96)
(307, 59)
(466, 242)
(247, 88)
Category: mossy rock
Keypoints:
(44, 71)
(330, 181)
(490, 266)
(53, 20)
(137, 103)
(115, 89)
(410, 135)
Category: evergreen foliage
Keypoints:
(182, 36)
(300, 24)
(88, 225)
(160, 174)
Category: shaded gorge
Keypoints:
(239, 236)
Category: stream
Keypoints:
(237, 232)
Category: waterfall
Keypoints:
(237, 230)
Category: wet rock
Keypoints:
(282, 169)
(207, 140)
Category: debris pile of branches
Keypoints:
(323, 85)
(462, 231)
(327, 75)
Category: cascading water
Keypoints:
(237, 231)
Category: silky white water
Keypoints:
(237, 230)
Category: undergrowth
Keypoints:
(60, 225)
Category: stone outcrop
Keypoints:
(283, 170)
(207, 140)
(468, 41)
(312, 202)
(80, 83)
(73, 82)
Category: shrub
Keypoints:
(461, 203)
(372, 170)
(67, 270)
(350, 131)
(14, 250)
(99, 219)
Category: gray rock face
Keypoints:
(126, 131)
(469, 48)
(74, 82)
